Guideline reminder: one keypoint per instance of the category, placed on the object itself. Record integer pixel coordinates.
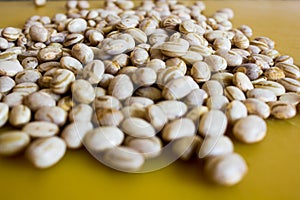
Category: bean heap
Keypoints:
(127, 82)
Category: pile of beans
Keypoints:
(128, 82)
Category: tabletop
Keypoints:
(273, 163)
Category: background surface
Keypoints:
(274, 164)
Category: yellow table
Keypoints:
(274, 164)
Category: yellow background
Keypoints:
(274, 164)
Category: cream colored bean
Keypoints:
(290, 70)
(40, 3)
(156, 117)
(178, 128)
(105, 81)
(257, 107)
(242, 81)
(109, 117)
(200, 72)
(215, 63)
(208, 125)
(4, 113)
(218, 102)
(179, 88)
(38, 33)
(100, 92)
(232, 58)
(49, 53)
(123, 159)
(107, 102)
(6, 84)
(195, 113)
(277, 88)
(213, 87)
(174, 48)
(149, 92)
(168, 74)
(227, 170)
(282, 110)
(82, 91)
(136, 110)
(139, 57)
(46, 152)
(72, 64)
(121, 87)
(262, 94)
(156, 64)
(173, 109)
(148, 147)
(144, 77)
(234, 93)
(83, 53)
(53, 114)
(81, 113)
(26, 87)
(41, 129)
(243, 129)
(93, 71)
(13, 142)
(195, 98)
(14, 99)
(10, 67)
(102, 138)
(19, 115)
(77, 25)
(115, 47)
(224, 78)
(290, 97)
(74, 133)
(235, 110)
(37, 100)
(290, 84)
(215, 146)
(62, 80)
(186, 147)
(29, 75)
(137, 127)
(177, 63)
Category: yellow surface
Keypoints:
(274, 164)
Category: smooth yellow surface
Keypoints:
(274, 164)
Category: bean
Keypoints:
(13, 142)
(148, 147)
(243, 129)
(46, 152)
(121, 87)
(103, 138)
(55, 115)
(282, 110)
(178, 128)
(137, 127)
(81, 113)
(82, 91)
(172, 109)
(257, 107)
(207, 127)
(123, 159)
(19, 115)
(36, 100)
(215, 146)
(41, 129)
(74, 133)
(186, 147)
(226, 169)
